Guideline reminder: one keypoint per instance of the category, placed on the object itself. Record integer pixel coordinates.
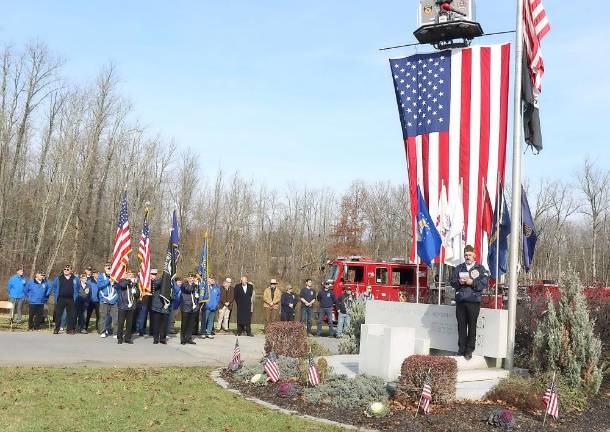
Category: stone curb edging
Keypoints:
(215, 376)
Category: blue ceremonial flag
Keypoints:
(498, 242)
(175, 236)
(528, 234)
(202, 269)
(428, 239)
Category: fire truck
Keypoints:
(386, 278)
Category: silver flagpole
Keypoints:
(417, 267)
(516, 193)
(499, 211)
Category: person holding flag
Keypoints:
(469, 280)
(190, 309)
(162, 291)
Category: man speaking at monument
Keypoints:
(469, 280)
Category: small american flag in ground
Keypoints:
(271, 368)
(551, 401)
(122, 244)
(312, 373)
(236, 353)
(426, 394)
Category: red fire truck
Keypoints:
(387, 278)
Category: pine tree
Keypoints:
(565, 340)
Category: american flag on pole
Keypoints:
(312, 373)
(426, 394)
(271, 368)
(453, 107)
(535, 27)
(122, 243)
(144, 256)
(551, 401)
(236, 353)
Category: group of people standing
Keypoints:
(124, 308)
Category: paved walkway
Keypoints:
(45, 349)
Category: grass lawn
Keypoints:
(163, 399)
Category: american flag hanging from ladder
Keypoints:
(122, 243)
(271, 368)
(236, 353)
(551, 401)
(453, 107)
(426, 394)
(312, 373)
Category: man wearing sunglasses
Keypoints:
(65, 291)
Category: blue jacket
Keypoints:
(106, 292)
(214, 300)
(75, 287)
(37, 292)
(326, 298)
(94, 290)
(128, 294)
(176, 296)
(157, 303)
(469, 293)
(15, 287)
(190, 297)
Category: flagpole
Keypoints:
(417, 268)
(440, 276)
(499, 211)
(516, 192)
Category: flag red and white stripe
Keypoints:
(535, 27)
(312, 373)
(144, 256)
(551, 401)
(236, 358)
(122, 243)
(271, 368)
(471, 146)
(426, 396)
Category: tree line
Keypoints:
(68, 150)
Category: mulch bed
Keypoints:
(462, 416)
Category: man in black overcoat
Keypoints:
(244, 299)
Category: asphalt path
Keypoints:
(42, 348)
(45, 349)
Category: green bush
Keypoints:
(316, 349)
(247, 372)
(565, 339)
(526, 393)
(443, 371)
(350, 343)
(324, 370)
(288, 366)
(342, 392)
(286, 338)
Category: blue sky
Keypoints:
(298, 91)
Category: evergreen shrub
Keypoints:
(350, 343)
(342, 392)
(565, 340)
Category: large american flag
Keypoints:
(453, 108)
(535, 27)
(144, 256)
(236, 358)
(312, 373)
(551, 401)
(271, 368)
(122, 244)
(426, 394)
